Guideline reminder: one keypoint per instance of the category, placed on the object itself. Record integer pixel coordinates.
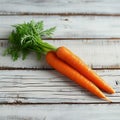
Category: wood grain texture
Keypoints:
(60, 7)
(58, 112)
(68, 26)
(48, 86)
(103, 53)
(90, 28)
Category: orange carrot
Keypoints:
(28, 37)
(71, 73)
(67, 56)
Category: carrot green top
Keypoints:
(28, 37)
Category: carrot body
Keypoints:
(71, 73)
(67, 56)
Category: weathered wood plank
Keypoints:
(68, 26)
(58, 112)
(48, 86)
(96, 53)
(60, 6)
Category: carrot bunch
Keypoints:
(28, 37)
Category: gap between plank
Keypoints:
(64, 103)
(75, 38)
(20, 68)
(59, 14)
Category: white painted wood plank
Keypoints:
(58, 112)
(49, 86)
(96, 53)
(69, 26)
(60, 6)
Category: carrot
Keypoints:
(74, 61)
(28, 37)
(66, 70)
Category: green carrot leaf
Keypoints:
(28, 37)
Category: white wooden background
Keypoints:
(31, 90)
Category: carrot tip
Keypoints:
(113, 91)
(107, 99)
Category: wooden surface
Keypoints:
(31, 90)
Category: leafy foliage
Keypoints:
(28, 37)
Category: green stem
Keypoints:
(46, 47)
